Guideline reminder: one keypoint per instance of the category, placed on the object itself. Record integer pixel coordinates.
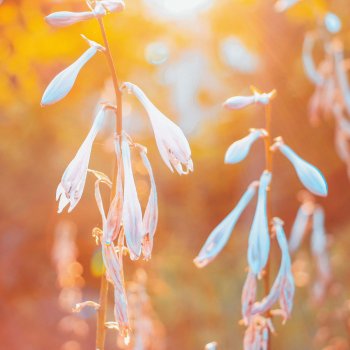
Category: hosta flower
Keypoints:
(248, 296)
(332, 22)
(150, 217)
(308, 174)
(283, 288)
(62, 84)
(66, 18)
(71, 187)
(171, 141)
(132, 214)
(220, 235)
(240, 149)
(112, 5)
(238, 102)
(256, 336)
(283, 5)
(318, 236)
(259, 238)
(308, 61)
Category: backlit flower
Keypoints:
(259, 238)
(283, 5)
(308, 174)
(318, 236)
(238, 102)
(240, 149)
(171, 141)
(71, 187)
(248, 296)
(66, 18)
(220, 235)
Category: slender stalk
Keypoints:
(268, 166)
(101, 318)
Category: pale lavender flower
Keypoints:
(248, 296)
(259, 238)
(171, 141)
(150, 217)
(238, 102)
(308, 174)
(332, 22)
(240, 149)
(220, 235)
(283, 5)
(62, 84)
(71, 187)
(318, 236)
(66, 18)
(113, 5)
(308, 61)
(283, 288)
(256, 336)
(132, 214)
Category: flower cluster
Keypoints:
(126, 229)
(256, 313)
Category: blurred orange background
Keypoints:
(188, 57)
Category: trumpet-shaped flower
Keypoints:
(238, 102)
(283, 288)
(308, 61)
(150, 217)
(132, 214)
(220, 235)
(71, 187)
(248, 296)
(318, 237)
(171, 141)
(259, 238)
(308, 174)
(66, 18)
(240, 149)
(62, 84)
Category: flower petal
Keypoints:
(239, 102)
(132, 214)
(298, 228)
(240, 149)
(113, 5)
(66, 18)
(318, 236)
(259, 238)
(283, 5)
(220, 235)
(332, 22)
(62, 84)
(248, 296)
(308, 174)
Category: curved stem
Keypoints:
(268, 166)
(101, 318)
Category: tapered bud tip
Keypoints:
(93, 43)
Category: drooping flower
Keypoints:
(238, 102)
(62, 84)
(308, 61)
(66, 18)
(150, 217)
(240, 149)
(132, 214)
(256, 336)
(248, 296)
(308, 174)
(71, 187)
(283, 5)
(259, 238)
(332, 22)
(171, 141)
(283, 288)
(318, 236)
(220, 235)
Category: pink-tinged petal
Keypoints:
(62, 198)
(342, 121)
(66, 18)
(114, 273)
(259, 237)
(308, 61)
(132, 214)
(115, 212)
(299, 228)
(150, 217)
(113, 5)
(73, 180)
(171, 141)
(62, 84)
(283, 5)
(239, 102)
(318, 236)
(220, 235)
(308, 174)
(240, 149)
(248, 296)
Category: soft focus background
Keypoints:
(189, 56)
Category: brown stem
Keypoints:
(101, 317)
(268, 166)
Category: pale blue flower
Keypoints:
(240, 149)
(332, 22)
(220, 235)
(259, 238)
(318, 236)
(308, 174)
(299, 228)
